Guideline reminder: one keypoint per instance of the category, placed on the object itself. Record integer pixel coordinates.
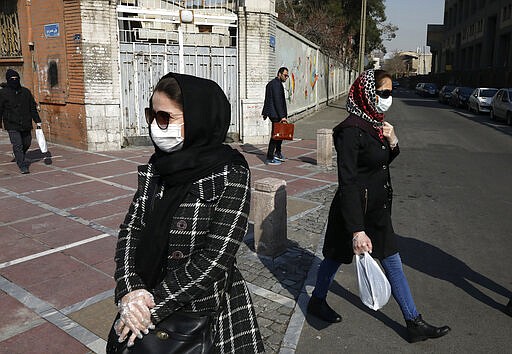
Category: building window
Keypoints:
(10, 45)
(53, 73)
(204, 28)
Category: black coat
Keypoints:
(274, 106)
(18, 109)
(364, 197)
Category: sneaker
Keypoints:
(274, 161)
(24, 170)
(279, 157)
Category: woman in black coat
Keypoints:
(177, 246)
(360, 214)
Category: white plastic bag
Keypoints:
(374, 288)
(41, 140)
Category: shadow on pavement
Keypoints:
(336, 104)
(251, 149)
(37, 155)
(356, 301)
(306, 159)
(500, 126)
(437, 263)
(289, 269)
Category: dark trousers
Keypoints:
(274, 146)
(20, 141)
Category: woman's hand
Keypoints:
(361, 243)
(389, 133)
(135, 315)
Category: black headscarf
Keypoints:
(13, 79)
(207, 116)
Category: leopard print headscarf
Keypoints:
(361, 100)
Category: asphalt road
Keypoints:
(453, 214)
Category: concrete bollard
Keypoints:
(324, 147)
(269, 215)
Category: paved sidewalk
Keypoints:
(58, 228)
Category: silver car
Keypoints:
(501, 105)
(480, 99)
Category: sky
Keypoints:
(412, 17)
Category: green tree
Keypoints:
(335, 25)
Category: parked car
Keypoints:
(429, 90)
(460, 96)
(419, 88)
(480, 99)
(445, 93)
(426, 89)
(396, 84)
(501, 105)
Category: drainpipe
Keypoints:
(30, 40)
(30, 37)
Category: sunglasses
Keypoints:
(162, 118)
(384, 93)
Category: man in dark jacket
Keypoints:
(274, 107)
(18, 110)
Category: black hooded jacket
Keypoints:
(17, 107)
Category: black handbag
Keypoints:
(180, 332)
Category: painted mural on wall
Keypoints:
(312, 75)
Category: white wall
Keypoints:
(314, 77)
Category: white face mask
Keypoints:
(167, 140)
(383, 104)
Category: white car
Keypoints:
(501, 105)
(480, 99)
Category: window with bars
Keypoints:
(10, 43)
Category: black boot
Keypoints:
(319, 308)
(418, 329)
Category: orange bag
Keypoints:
(282, 131)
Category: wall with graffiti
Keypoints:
(314, 77)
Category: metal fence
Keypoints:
(154, 41)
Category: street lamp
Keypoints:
(362, 33)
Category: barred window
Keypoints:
(10, 43)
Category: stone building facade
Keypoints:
(69, 53)
(474, 44)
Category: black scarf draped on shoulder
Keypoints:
(207, 116)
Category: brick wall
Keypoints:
(81, 108)
(60, 96)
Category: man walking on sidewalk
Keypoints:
(274, 107)
(18, 109)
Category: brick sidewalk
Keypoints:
(58, 228)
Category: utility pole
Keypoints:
(362, 36)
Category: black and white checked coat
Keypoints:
(204, 236)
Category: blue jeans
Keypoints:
(394, 272)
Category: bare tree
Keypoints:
(395, 65)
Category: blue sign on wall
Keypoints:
(273, 41)
(51, 30)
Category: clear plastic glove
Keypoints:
(361, 243)
(135, 316)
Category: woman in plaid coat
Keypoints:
(177, 245)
